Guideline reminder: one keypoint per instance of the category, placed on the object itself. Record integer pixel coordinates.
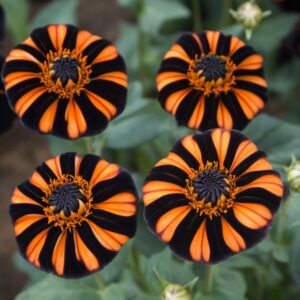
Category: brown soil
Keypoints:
(22, 150)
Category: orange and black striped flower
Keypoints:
(210, 80)
(213, 196)
(6, 114)
(65, 81)
(73, 214)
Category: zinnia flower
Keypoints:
(6, 114)
(65, 81)
(210, 80)
(213, 196)
(73, 214)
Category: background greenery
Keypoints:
(144, 133)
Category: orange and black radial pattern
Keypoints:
(210, 80)
(6, 114)
(66, 82)
(74, 214)
(214, 195)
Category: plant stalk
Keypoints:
(208, 279)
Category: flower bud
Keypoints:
(249, 14)
(176, 292)
(293, 175)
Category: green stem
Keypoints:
(88, 142)
(226, 15)
(101, 284)
(137, 272)
(208, 279)
(196, 16)
(282, 218)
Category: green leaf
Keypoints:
(156, 13)
(113, 292)
(16, 18)
(279, 139)
(294, 265)
(281, 253)
(33, 273)
(168, 267)
(269, 34)
(58, 146)
(53, 288)
(141, 127)
(56, 12)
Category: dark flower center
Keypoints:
(65, 68)
(211, 67)
(66, 198)
(210, 186)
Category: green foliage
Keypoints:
(56, 12)
(16, 17)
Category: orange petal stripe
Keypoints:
(84, 39)
(254, 79)
(58, 255)
(24, 222)
(224, 118)
(108, 53)
(16, 77)
(35, 247)
(108, 109)
(122, 204)
(76, 122)
(235, 44)
(260, 165)
(57, 35)
(110, 240)
(54, 165)
(252, 215)
(231, 237)
(252, 62)
(47, 120)
(165, 78)
(199, 248)
(177, 51)
(245, 149)
(250, 103)
(175, 160)
(213, 37)
(29, 41)
(117, 77)
(190, 145)
(84, 254)
(153, 190)
(221, 140)
(271, 183)
(197, 115)
(27, 100)
(104, 171)
(167, 223)
(174, 100)
(19, 198)
(18, 54)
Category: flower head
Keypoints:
(213, 196)
(293, 174)
(73, 214)
(6, 114)
(65, 81)
(210, 80)
(249, 14)
(176, 292)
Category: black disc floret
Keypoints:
(212, 67)
(65, 68)
(66, 198)
(210, 186)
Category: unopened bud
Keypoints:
(293, 175)
(176, 292)
(249, 14)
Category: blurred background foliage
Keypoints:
(144, 133)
